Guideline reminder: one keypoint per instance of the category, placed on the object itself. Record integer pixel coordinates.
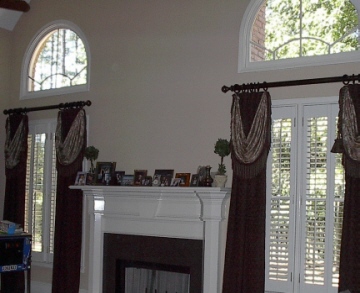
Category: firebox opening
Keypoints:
(144, 277)
(154, 253)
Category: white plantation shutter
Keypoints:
(314, 202)
(280, 207)
(338, 209)
(41, 189)
(305, 200)
(52, 196)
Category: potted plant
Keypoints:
(222, 148)
(91, 153)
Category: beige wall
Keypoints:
(157, 68)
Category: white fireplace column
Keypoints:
(175, 212)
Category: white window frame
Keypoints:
(24, 92)
(245, 65)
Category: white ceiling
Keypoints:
(9, 18)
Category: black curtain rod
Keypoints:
(346, 79)
(60, 106)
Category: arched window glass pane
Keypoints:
(301, 28)
(59, 60)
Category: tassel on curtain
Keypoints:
(70, 142)
(14, 204)
(244, 269)
(348, 125)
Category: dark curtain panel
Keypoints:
(70, 145)
(349, 123)
(244, 269)
(14, 203)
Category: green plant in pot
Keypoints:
(91, 153)
(222, 148)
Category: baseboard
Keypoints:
(39, 287)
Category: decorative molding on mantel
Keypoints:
(175, 212)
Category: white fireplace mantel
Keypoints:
(175, 212)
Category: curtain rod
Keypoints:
(79, 104)
(346, 79)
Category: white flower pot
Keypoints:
(220, 180)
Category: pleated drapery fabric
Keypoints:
(17, 130)
(70, 146)
(349, 123)
(244, 269)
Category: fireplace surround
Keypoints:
(159, 214)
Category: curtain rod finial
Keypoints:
(225, 89)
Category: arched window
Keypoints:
(279, 34)
(56, 62)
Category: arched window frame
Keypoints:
(30, 51)
(245, 65)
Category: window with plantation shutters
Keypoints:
(41, 189)
(304, 199)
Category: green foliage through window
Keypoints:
(298, 28)
(58, 61)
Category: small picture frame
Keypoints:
(139, 177)
(175, 182)
(90, 179)
(184, 178)
(103, 168)
(194, 180)
(165, 176)
(165, 180)
(118, 177)
(80, 178)
(127, 180)
(156, 180)
(147, 181)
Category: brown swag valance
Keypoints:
(14, 144)
(249, 151)
(70, 146)
(348, 130)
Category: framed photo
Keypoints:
(156, 180)
(165, 180)
(175, 182)
(80, 178)
(184, 178)
(139, 177)
(194, 180)
(147, 181)
(118, 176)
(127, 180)
(90, 179)
(164, 175)
(103, 168)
